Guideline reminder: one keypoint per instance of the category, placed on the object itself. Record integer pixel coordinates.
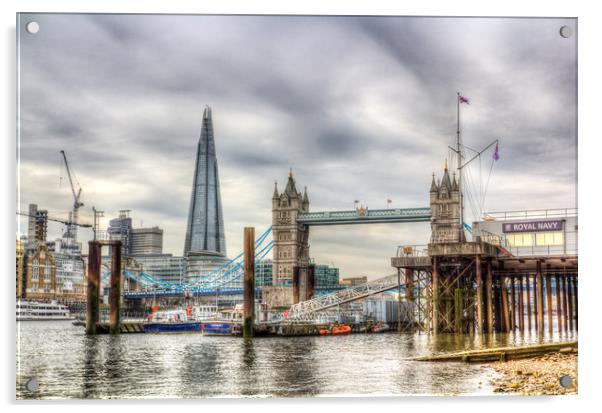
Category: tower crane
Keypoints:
(72, 227)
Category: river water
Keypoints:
(68, 364)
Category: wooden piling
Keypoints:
(528, 288)
(521, 311)
(539, 292)
(310, 281)
(458, 313)
(435, 294)
(570, 300)
(576, 302)
(506, 315)
(295, 284)
(489, 295)
(479, 295)
(535, 299)
(558, 303)
(115, 291)
(249, 282)
(93, 291)
(549, 302)
(498, 323)
(512, 304)
(565, 306)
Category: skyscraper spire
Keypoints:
(205, 229)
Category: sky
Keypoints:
(361, 108)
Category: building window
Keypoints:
(549, 238)
(520, 239)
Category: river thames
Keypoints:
(68, 364)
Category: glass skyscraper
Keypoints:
(205, 229)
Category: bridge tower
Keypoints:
(445, 210)
(291, 239)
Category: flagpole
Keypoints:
(458, 163)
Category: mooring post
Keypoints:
(249, 282)
(539, 292)
(310, 281)
(558, 302)
(528, 288)
(504, 294)
(489, 296)
(521, 305)
(570, 300)
(115, 291)
(296, 284)
(549, 302)
(479, 295)
(435, 295)
(93, 291)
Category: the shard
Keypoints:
(205, 229)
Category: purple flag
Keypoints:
(496, 153)
(463, 99)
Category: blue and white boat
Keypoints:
(174, 321)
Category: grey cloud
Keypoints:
(361, 108)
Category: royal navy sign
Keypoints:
(533, 226)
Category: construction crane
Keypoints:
(72, 227)
(62, 221)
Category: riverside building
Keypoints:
(548, 232)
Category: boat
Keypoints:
(379, 328)
(324, 332)
(216, 328)
(342, 329)
(171, 321)
(38, 311)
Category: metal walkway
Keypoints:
(305, 308)
(367, 216)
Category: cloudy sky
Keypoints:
(360, 107)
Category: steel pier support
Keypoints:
(479, 295)
(521, 305)
(512, 304)
(249, 282)
(549, 302)
(489, 296)
(558, 302)
(539, 293)
(435, 288)
(570, 300)
(528, 279)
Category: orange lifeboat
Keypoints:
(341, 330)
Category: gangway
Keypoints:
(305, 308)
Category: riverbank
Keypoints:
(536, 376)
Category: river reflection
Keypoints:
(68, 364)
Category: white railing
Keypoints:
(531, 213)
(303, 309)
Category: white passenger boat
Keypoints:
(34, 310)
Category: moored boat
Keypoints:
(340, 330)
(216, 328)
(379, 328)
(38, 311)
